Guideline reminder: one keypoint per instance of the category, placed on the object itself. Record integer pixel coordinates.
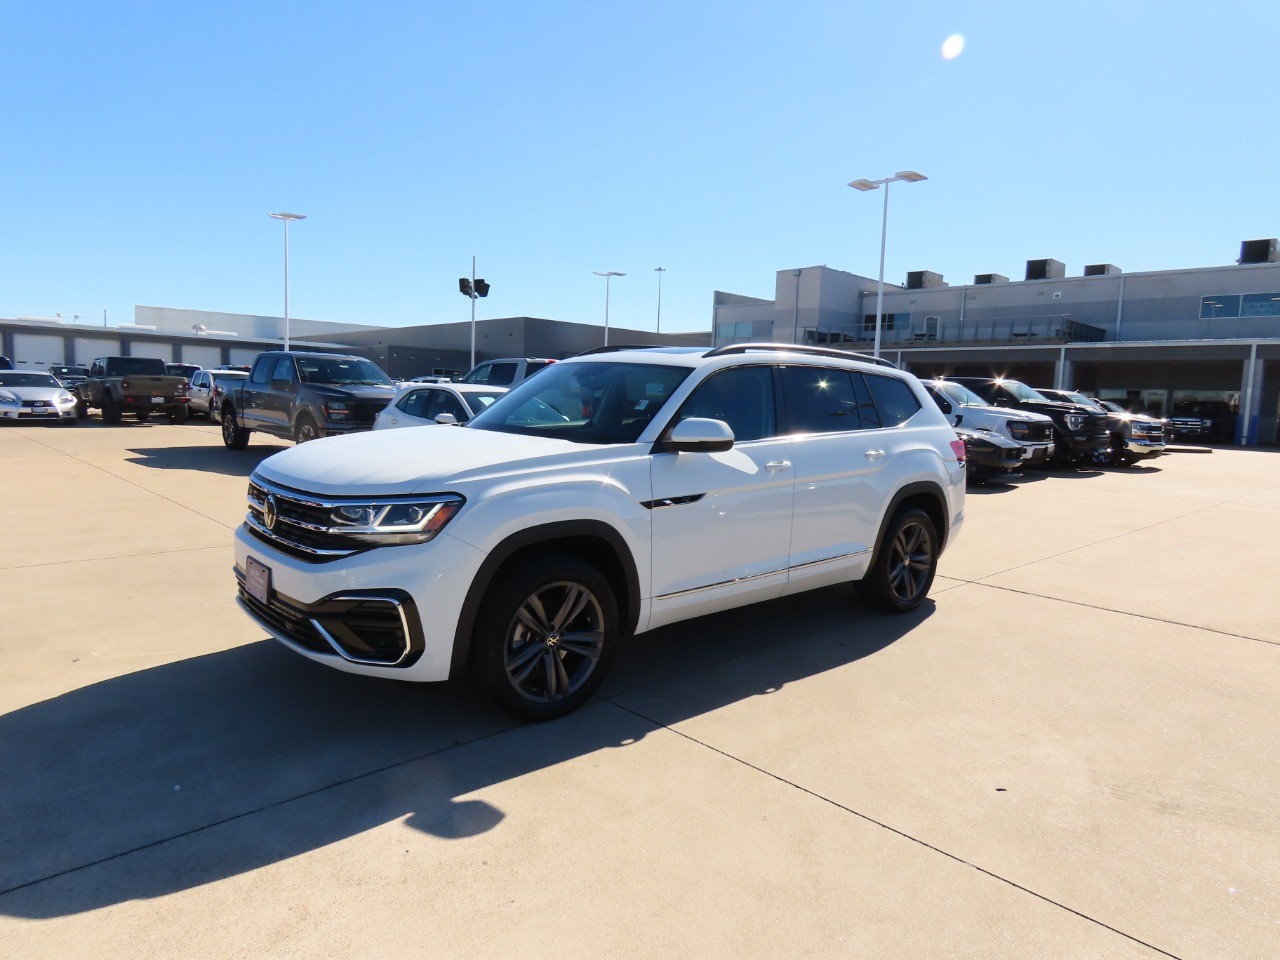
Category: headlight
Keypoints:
(335, 410)
(64, 398)
(1020, 429)
(387, 522)
(8, 397)
(1075, 421)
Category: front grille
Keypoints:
(1012, 454)
(301, 526)
(1097, 423)
(37, 404)
(366, 411)
(378, 629)
(1147, 431)
(1041, 432)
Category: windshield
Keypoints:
(1081, 399)
(69, 371)
(10, 379)
(586, 402)
(1023, 392)
(1112, 406)
(229, 377)
(347, 370)
(961, 395)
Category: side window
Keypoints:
(501, 374)
(443, 402)
(284, 370)
(262, 370)
(894, 400)
(414, 403)
(820, 400)
(741, 397)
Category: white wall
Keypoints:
(34, 351)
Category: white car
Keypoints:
(204, 385)
(420, 405)
(964, 408)
(609, 495)
(27, 395)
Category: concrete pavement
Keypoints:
(1072, 751)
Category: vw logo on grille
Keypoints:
(270, 512)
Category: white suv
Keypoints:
(614, 493)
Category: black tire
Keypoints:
(545, 637)
(179, 414)
(234, 437)
(111, 412)
(82, 410)
(902, 571)
(306, 430)
(143, 415)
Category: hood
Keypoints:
(1006, 413)
(47, 394)
(356, 391)
(428, 459)
(1056, 406)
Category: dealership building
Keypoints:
(1158, 340)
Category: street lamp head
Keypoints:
(608, 273)
(863, 185)
(659, 269)
(910, 176)
(287, 216)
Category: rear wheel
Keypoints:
(234, 437)
(546, 636)
(903, 569)
(143, 416)
(82, 410)
(179, 414)
(111, 412)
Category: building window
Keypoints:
(887, 321)
(1260, 305)
(739, 330)
(1214, 308)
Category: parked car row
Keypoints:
(1006, 424)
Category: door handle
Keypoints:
(875, 454)
(774, 465)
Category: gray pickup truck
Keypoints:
(302, 396)
(135, 385)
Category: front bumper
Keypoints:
(48, 414)
(389, 612)
(1142, 449)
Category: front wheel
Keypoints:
(546, 636)
(234, 436)
(306, 430)
(178, 414)
(111, 412)
(903, 569)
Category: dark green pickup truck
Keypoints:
(137, 385)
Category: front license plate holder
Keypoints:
(257, 580)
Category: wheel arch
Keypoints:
(926, 495)
(591, 540)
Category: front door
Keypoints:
(721, 522)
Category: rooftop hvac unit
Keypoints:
(979, 278)
(1046, 269)
(1101, 270)
(1258, 251)
(924, 279)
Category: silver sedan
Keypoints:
(422, 404)
(27, 395)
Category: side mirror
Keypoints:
(696, 435)
(448, 419)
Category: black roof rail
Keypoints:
(800, 348)
(621, 346)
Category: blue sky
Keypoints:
(146, 143)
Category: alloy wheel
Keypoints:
(554, 642)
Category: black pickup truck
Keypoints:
(1078, 431)
(303, 396)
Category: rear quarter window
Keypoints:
(895, 401)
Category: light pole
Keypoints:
(608, 275)
(473, 288)
(907, 176)
(285, 218)
(659, 271)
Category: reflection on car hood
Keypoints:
(47, 394)
(428, 459)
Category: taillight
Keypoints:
(957, 447)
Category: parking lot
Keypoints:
(1071, 751)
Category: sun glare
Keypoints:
(952, 47)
